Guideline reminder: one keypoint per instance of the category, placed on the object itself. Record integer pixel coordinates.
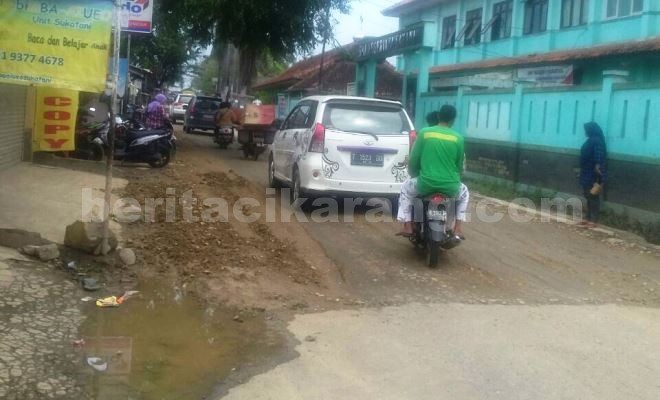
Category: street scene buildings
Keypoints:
(347, 199)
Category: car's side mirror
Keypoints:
(279, 123)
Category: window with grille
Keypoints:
(448, 32)
(624, 8)
(574, 13)
(472, 29)
(536, 16)
(500, 23)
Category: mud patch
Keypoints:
(166, 344)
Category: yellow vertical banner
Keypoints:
(55, 119)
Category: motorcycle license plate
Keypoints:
(368, 159)
(437, 215)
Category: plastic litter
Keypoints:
(127, 295)
(72, 265)
(78, 343)
(87, 298)
(114, 301)
(97, 363)
(107, 302)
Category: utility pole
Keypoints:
(104, 247)
(326, 25)
(127, 89)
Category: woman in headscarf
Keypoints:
(593, 169)
(156, 115)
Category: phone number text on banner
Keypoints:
(61, 43)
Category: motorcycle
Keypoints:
(133, 142)
(223, 136)
(433, 231)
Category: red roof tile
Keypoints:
(643, 46)
(304, 68)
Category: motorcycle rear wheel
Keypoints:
(162, 161)
(432, 253)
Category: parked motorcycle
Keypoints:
(133, 142)
(433, 231)
(156, 147)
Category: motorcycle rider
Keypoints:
(435, 166)
(225, 117)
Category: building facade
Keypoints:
(332, 73)
(526, 75)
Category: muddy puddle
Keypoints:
(163, 344)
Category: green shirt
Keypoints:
(436, 160)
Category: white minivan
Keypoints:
(342, 146)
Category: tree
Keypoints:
(167, 51)
(280, 27)
(204, 74)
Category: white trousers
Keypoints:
(409, 193)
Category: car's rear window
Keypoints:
(366, 118)
(184, 99)
(207, 104)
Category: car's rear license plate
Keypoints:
(207, 117)
(368, 159)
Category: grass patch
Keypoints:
(507, 191)
(650, 231)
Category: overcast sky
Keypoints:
(374, 23)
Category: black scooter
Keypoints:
(433, 230)
(133, 143)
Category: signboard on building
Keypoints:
(136, 15)
(549, 75)
(55, 119)
(60, 43)
(392, 44)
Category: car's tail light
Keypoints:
(412, 136)
(191, 108)
(318, 139)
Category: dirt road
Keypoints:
(506, 262)
(519, 307)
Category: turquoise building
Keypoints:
(525, 75)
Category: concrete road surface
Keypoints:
(454, 351)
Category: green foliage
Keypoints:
(269, 66)
(204, 74)
(279, 27)
(267, 33)
(167, 51)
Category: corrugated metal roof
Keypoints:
(642, 46)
